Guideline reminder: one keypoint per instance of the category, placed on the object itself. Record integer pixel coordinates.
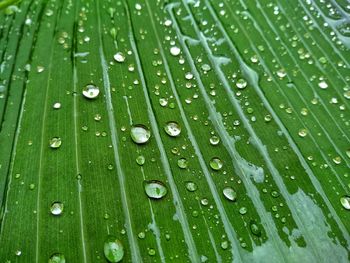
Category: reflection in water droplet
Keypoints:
(182, 163)
(140, 134)
(113, 249)
(191, 186)
(175, 51)
(91, 91)
(119, 57)
(216, 163)
(55, 142)
(345, 201)
(230, 193)
(241, 83)
(172, 128)
(56, 208)
(57, 258)
(155, 189)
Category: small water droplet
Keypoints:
(214, 140)
(206, 67)
(281, 73)
(97, 117)
(172, 128)
(302, 132)
(155, 189)
(216, 163)
(57, 258)
(182, 163)
(191, 186)
(175, 51)
(119, 57)
(140, 160)
(188, 76)
(56, 208)
(345, 201)
(204, 201)
(18, 253)
(229, 193)
(241, 83)
(151, 251)
(57, 105)
(254, 228)
(323, 84)
(113, 249)
(40, 69)
(140, 134)
(91, 91)
(55, 142)
(243, 210)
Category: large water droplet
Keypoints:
(214, 140)
(172, 128)
(155, 189)
(241, 83)
(56, 208)
(140, 134)
(119, 57)
(55, 142)
(57, 258)
(216, 163)
(175, 51)
(91, 91)
(254, 228)
(182, 163)
(113, 249)
(229, 193)
(345, 201)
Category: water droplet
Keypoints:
(323, 84)
(348, 152)
(188, 76)
(113, 249)
(168, 22)
(172, 128)
(345, 201)
(175, 51)
(151, 252)
(182, 163)
(214, 140)
(281, 73)
(267, 118)
(56, 208)
(91, 91)
(204, 201)
(140, 134)
(206, 67)
(55, 142)
(254, 228)
(216, 163)
(155, 189)
(347, 94)
(191, 186)
(97, 117)
(241, 83)
(119, 57)
(57, 258)
(230, 193)
(140, 160)
(18, 253)
(40, 69)
(141, 235)
(337, 160)
(57, 105)
(243, 210)
(224, 244)
(302, 132)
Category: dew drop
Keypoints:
(140, 160)
(91, 91)
(216, 163)
(55, 142)
(241, 83)
(345, 201)
(323, 84)
(214, 140)
(57, 105)
(182, 163)
(206, 67)
(243, 210)
(113, 249)
(302, 132)
(57, 258)
(230, 194)
(191, 186)
(172, 128)
(155, 189)
(119, 57)
(56, 208)
(254, 228)
(188, 76)
(175, 51)
(140, 134)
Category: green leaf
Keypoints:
(174, 131)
